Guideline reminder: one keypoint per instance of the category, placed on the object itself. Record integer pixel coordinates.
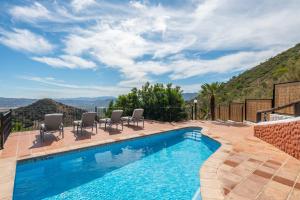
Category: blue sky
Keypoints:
(97, 48)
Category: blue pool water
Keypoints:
(162, 166)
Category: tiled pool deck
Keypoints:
(243, 168)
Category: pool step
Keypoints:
(195, 135)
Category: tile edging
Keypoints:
(213, 193)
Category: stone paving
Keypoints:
(244, 167)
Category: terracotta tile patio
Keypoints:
(244, 167)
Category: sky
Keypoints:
(89, 48)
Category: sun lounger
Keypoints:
(88, 120)
(52, 122)
(115, 119)
(136, 117)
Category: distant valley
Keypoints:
(87, 103)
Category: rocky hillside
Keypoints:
(258, 81)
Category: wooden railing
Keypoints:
(5, 126)
(263, 113)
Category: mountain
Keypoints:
(15, 102)
(189, 96)
(258, 81)
(29, 116)
(88, 103)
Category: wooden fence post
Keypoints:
(229, 111)
(245, 107)
(242, 112)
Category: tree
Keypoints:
(209, 91)
(159, 102)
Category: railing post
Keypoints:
(192, 112)
(10, 121)
(297, 109)
(1, 131)
(258, 117)
(195, 111)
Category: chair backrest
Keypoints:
(116, 115)
(53, 121)
(137, 114)
(88, 118)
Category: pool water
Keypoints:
(161, 166)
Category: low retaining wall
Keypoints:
(284, 135)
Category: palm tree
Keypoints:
(209, 91)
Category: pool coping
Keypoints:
(210, 186)
(207, 172)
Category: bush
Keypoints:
(164, 103)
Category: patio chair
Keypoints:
(115, 119)
(52, 122)
(88, 120)
(137, 116)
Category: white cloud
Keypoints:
(184, 68)
(137, 4)
(191, 87)
(143, 40)
(24, 40)
(66, 61)
(78, 5)
(59, 88)
(30, 13)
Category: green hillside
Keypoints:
(258, 82)
(29, 117)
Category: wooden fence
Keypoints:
(5, 127)
(236, 112)
(224, 112)
(233, 111)
(242, 111)
(285, 93)
(252, 106)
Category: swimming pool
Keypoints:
(160, 166)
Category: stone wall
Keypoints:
(284, 135)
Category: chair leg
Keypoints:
(42, 135)
(143, 124)
(96, 128)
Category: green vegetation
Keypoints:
(258, 81)
(208, 94)
(160, 102)
(254, 83)
(28, 117)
